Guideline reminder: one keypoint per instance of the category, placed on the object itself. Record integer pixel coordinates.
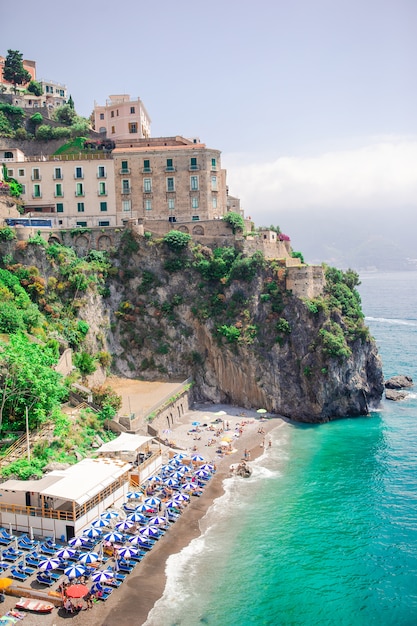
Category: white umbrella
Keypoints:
(137, 518)
(197, 458)
(158, 520)
(171, 482)
(100, 523)
(77, 542)
(207, 467)
(92, 532)
(127, 553)
(113, 537)
(144, 508)
(137, 539)
(109, 515)
(153, 502)
(154, 479)
(181, 497)
(125, 525)
(102, 577)
(88, 557)
(65, 553)
(180, 456)
(189, 487)
(202, 474)
(150, 531)
(134, 495)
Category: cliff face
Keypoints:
(232, 325)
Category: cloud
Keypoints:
(380, 175)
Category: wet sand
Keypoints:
(132, 601)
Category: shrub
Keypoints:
(231, 333)
(7, 234)
(176, 240)
(85, 362)
(235, 221)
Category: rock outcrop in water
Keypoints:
(230, 323)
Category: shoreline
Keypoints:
(132, 602)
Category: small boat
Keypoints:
(36, 606)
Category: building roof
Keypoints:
(79, 483)
(125, 442)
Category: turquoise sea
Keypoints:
(325, 531)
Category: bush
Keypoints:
(235, 221)
(231, 333)
(85, 362)
(176, 240)
(7, 234)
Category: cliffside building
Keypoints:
(123, 120)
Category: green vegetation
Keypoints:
(176, 240)
(235, 221)
(13, 69)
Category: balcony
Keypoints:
(126, 191)
(36, 178)
(36, 195)
(102, 194)
(147, 170)
(102, 175)
(79, 194)
(79, 177)
(170, 168)
(124, 170)
(58, 195)
(193, 168)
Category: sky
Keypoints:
(311, 102)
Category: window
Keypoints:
(23, 190)
(195, 218)
(102, 191)
(133, 127)
(58, 190)
(101, 171)
(170, 184)
(170, 166)
(171, 204)
(132, 110)
(58, 173)
(104, 223)
(146, 165)
(102, 116)
(194, 202)
(37, 191)
(214, 183)
(214, 202)
(82, 224)
(10, 173)
(147, 185)
(213, 164)
(113, 130)
(59, 207)
(125, 167)
(126, 204)
(80, 207)
(125, 185)
(194, 183)
(79, 191)
(193, 163)
(36, 174)
(78, 172)
(103, 206)
(21, 172)
(112, 114)
(8, 155)
(148, 205)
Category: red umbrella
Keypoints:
(76, 591)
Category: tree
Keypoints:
(35, 88)
(235, 221)
(13, 70)
(64, 114)
(177, 240)
(71, 102)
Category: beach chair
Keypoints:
(14, 573)
(33, 559)
(21, 567)
(9, 556)
(44, 579)
(46, 549)
(126, 567)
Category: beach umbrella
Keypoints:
(137, 539)
(5, 583)
(202, 474)
(47, 565)
(92, 532)
(177, 475)
(154, 479)
(189, 487)
(74, 571)
(102, 577)
(180, 456)
(76, 591)
(65, 553)
(159, 520)
(153, 502)
(109, 515)
(125, 525)
(171, 504)
(197, 458)
(181, 497)
(100, 523)
(113, 537)
(137, 518)
(207, 467)
(144, 508)
(262, 411)
(171, 482)
(86, 558)
(127, 553)
(134, 495)
(149, 531)
(77, 542)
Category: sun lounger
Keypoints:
(46, 549)
(44, 580)
(21, 567)
(8, 556)
(126, 567)
(32, 560)
(14, 573)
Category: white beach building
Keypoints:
(64, 502)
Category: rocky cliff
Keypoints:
(230, 323)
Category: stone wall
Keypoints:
(306, 281)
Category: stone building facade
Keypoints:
(122, 119)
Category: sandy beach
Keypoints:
(133, 600)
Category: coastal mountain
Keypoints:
(169, 308)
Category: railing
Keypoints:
(161, 403)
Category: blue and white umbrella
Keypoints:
(137, 540)
(127, 553)
(77, 542)
(100, 523)
(144, 508)
(153, 502)
(47, 565)
(180, 456)
(154, 479)
(189, 487)
(171, 482)
(197, 458)
(207, 467)
(109, 515)
(202, 474)
(150, 531)
(113, 537)
(102, 577)
(92, 532)
(181, 497)
(74, 571)
(134, 495)
(65, 553)
(159, 520)
(86, 558)
(137, 518)
(125, 525)
(171, 504)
